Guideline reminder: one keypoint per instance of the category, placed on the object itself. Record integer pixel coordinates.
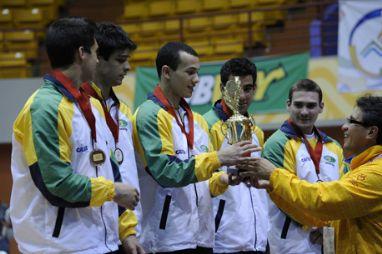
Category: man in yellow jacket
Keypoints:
(353, 204)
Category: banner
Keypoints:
(274, 78)
(360, 45)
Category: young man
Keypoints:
(114, 49)
(241, 208)
(302, 149)
(175, 149)
(352, 204)
(63, 181)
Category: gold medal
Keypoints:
(97, 157)
(118, 154)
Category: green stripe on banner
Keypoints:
(275, 76)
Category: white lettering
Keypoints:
(203, 91)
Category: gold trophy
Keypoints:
(238, 127)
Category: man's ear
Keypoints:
(221, 87)
(288, 103)
(373, 132)
(321, 105)
(80, 53)
(166, 71)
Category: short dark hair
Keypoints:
(111, 37)
(169, 55)
(238, 67)
(371, 107)
(305, 85)
(65, 36)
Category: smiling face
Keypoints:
(247, 92)
(183, 80)
(304, 109)
(112, 71)
(355, 134)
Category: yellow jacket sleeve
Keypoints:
(102, 190)
(356, 194)
(127, 223)
(216, 186)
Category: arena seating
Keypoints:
(216, 28)
(22, 26)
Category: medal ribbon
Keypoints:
(158, 93)
(315, 154)
(113, 126)
(226, 109)
(80, 98)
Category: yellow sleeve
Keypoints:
(102, 190)
(216, 186)
(356, 194)
(205, 164)
(127, 223)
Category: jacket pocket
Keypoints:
(219, 214)
(166, 208)
(59, 220)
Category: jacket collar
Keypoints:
(289, 131)
(366, 156)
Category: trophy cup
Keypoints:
(238, 127)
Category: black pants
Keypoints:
(198, 250)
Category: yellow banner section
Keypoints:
(324, 71)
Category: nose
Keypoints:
(242, 95)
(195, 79)
(344, 127)
(304, 111)
(126, 66)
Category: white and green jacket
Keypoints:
(130, 221)
(60, 202)
(176, 201)
(241, 208)
(286, 150)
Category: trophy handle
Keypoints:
(224, 128)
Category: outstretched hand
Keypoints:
(237, 153)
(256, 168)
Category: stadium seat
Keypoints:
(203, 47)
(214, 5)
(1, 41)
(135, 10)
(224, 21)
(13, 3)
(42, 2)
(23, 41)
(273, 17)
(150, 28)
(256, 17)
(13, 65)
(270, 2)
(161, 8)
(197, 24)
(6, 18)
(228, 46)
(186, 6)
(240, 3)
(131, 28)
(172, 26)
(28, 18)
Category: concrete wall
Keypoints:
(13, 94)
